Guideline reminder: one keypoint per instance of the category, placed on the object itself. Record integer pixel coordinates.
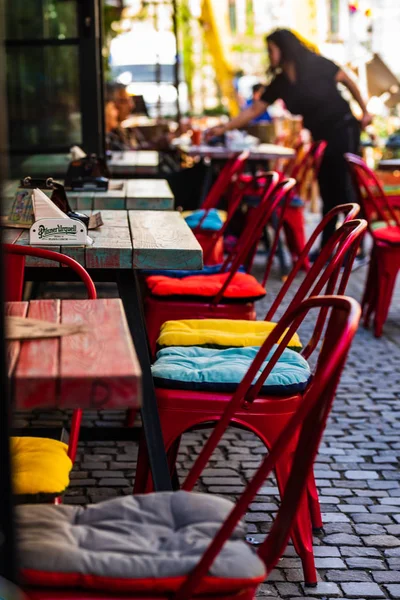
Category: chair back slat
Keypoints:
(370, 192)
(260, 217)
(308, 423)
(322, 263)
(228, 175)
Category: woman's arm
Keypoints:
(342, 77)
(252, 112)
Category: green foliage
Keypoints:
(184, 18)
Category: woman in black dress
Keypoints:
(307, 83)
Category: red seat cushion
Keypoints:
(390, 235)
(242, 287)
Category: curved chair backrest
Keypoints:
(232, 168)
(15, 265)
(341, 248)
(253, 230)
(370, 192)
(306, 170)
(238, 192)
(308, 422)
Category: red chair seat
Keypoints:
(390, 235)
(243, 287)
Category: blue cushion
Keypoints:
(297, 202)
(180, 274)
(220, 370)
(212, 222)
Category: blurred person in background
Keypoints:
(257, 92)
(127, 138)
(308, 84)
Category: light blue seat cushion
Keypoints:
(212, 222)
(221, 370)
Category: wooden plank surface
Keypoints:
(133, 162)
(261, 152)
(149, 194)
(14, 309)
(163, 240)
(33, 261)
(113, 198)
(98, 369)
(112, 247)
(36, 373)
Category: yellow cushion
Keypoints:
(218, 333)
(221, 213)
(40, 465)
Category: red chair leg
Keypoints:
(74, 434)
(387, 282)
(301, 533)
(314, 506)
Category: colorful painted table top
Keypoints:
(95, 369)
(137, 239)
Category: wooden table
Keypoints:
(94, 370)
(128, 194)
(134, 162)
(125, 164)
(129, 241)
(261, 152)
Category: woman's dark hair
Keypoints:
(292, 48)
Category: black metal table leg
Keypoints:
(129, 291)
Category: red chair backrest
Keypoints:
(228, 175)
(307, 423)
(341, 248)
(15, 265)
(231, 169)
(238, 192)
(370, 192)
(253, 230)
(306, 170)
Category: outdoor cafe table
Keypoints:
(126, 163)
(263, 152)
(128, 194)
(96, 369)
(128, 241)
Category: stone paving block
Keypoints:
(382, 541)
(365, 563)
(394, 590)
(323, 588)
(387, 576)
(347, 575)
(363, 590)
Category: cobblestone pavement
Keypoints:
(357, 471)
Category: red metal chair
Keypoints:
(299, 438)
(384, 227)
(304, 169)
(161, 308)
(332, 269)
(15, 265)
(181, 410)
(305, 172)
(212, 242)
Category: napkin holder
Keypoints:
(52, 227)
